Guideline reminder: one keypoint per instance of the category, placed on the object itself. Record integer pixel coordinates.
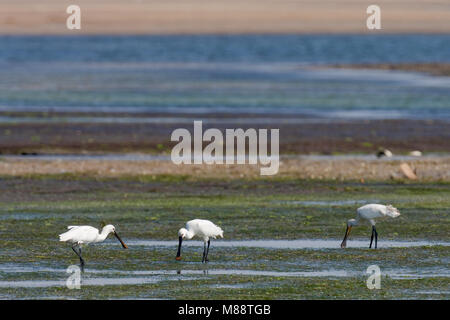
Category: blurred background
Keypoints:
(139, 69)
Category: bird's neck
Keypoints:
(103, 235)
(190, 234)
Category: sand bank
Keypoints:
(427, 169)
(220, 16)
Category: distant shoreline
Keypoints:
(222, 17)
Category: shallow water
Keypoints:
(220, 48)
(282, 120)
(290, 244)
(85, 282)
(433, 292)
(150, 157)
(138, 277)
(155, 279)
(318, 96)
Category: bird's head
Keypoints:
(109, 228)
(184, 234)
(350, 224)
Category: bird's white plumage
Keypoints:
(85, 234)
(384, 153)
(373, 211)
(204, 229)
(415, 153)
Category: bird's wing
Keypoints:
(195, 225)
(210, 229)
(86, 229)
(371, 211)
(79, 233)
(68, 235)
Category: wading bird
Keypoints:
(80, 235)
(384, 153)
(415, 153)
(369, 212)
(204, 229)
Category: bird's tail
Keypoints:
(220, 232)
(392, 212)
(64, 236)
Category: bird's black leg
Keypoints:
(204, 252)
(79, 256)
(207, 251)
(371, 238)
(81, 260)
(376, 236)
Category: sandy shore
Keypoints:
(427, 169)
(220, 16)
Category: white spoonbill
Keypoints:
(369, 212)
(80, 235)
(384, 153)
(204, 229)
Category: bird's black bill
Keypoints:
(180, 240)
(347, 232)
(118, 238)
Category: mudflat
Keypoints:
(309, 215)
(150, 133)
(437, 69)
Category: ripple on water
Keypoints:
(164, 275)
(290, 244)
(111, 277)
(155, 276)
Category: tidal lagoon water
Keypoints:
(236, 74)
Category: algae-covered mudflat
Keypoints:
(281, 238)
